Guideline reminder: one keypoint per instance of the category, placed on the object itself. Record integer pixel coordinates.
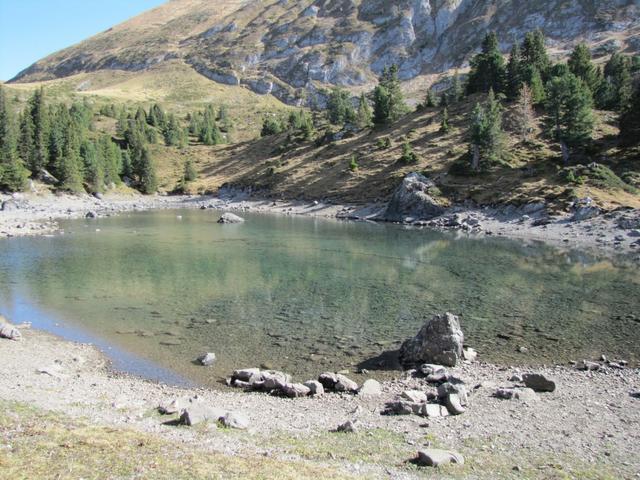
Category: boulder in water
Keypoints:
(230, 218)
(439, 341)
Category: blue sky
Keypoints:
(32, 29)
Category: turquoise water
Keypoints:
(305, 295)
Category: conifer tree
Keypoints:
(487, 68)
(617, 87)
(190, 173)
(69, 165)
(112, 160)
(455, 92)
(364, 114)
(429, 101)
(630, 121)
(339, 107)
(271, 125)
(174, 134)
(93, 166)
(444, 123)
(538, 92)
(486, 135)
(389, 104)
(39, 154)
(515, 74)
(534, 53)
(569, 104)
(147, 172)
(13, 174)
(581, 66)
(25, 145)
(524, 114)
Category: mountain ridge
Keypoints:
(294, 50)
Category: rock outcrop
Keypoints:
(230, 218)
(412, 201)
(440, 341)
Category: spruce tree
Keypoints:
(429, 101)
(581, 66)
(534, 53)
(39, 154)
(364, 114)
(538, 92)
(569, 105)
(389, 104)
(69, 165)
(444, 123)
(93, 164)
(487, 68)
(485, 134)
(13, 175)
(271, 125)
(617, 88)
(112, 160)
(515, 74)
(455, 92)
(524, 115)
(25, 144)
(339, 107)
(190, 173)
(147, 179)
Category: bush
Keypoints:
(383, 143)
(408, 156)
(190, 173)
(353, 164)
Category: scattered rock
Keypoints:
(9, 332)
(235, 420)
(414, 396)
(469, 354)
(174, 406)
(230, 218)
(315, 387)
(328, 380)
(55, 371)
(402, 408)
(538, 382)
(370, 388)
(91, 214)
(345, 384)
(453, 386)
(524, 394)
(207, 359)
(434, 373)
(453, 404)
(439, 341)
(435, 458)
(589, 366)
(9, 206)
(198, 413)
(431, 410)
(348, 427)
(296, 390)
(249, 375)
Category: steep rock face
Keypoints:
(297, 47)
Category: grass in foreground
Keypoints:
(38, 445)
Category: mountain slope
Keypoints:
(294, 49)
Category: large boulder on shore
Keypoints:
(412, 200)
(439, 341)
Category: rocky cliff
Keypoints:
(294, 49)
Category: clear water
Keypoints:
(306, 295)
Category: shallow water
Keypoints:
(305, 295)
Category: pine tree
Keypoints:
(25, 145)
(339, 107)
(630, 121)
(487, 68)
(112, 160)
(389, 104)
(408, 156)
(39, 154)
(486, 136)
(455, 92)
(581, 66)
(69, 165)
(617, 88)
(534, 53)
(444, 124)
(515, 74)
(13, 175)
(538, 92)
(271, 125)
(364, 115)
(93, 164)
(429, 101)
(174, 134)
(190, 173)
(569, 104)
(147, 173)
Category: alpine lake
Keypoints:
(154, 290)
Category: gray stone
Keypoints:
(348, 427)
(412, 199)
(328, 380)
(173, 406)
(454, 386)
(315, 387)
(589, 366)
(274, 380)
(250, 375)
(435, 458)
(207, 359)
(235, 420)
(230, 218)
(10, 206)
(9, 332)
(523, 394)
(91, 214)
(403, 408)
(296, 390)
(453, 404)
(469, 354)
(439, 341)
(198, 413)
(345, 384)
(370, 388)
(415, 396)
(538, 382)
(430, 410)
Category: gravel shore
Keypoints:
(588, 427)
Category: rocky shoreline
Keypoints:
(586, 425)
(585, 227)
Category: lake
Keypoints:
(305, 295)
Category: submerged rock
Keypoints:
(230, 218)
(432, 457)
(412, 199)
(439, 341)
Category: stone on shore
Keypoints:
(235, 420)
(249, 375)
(230, 218)
(91, 214)
(523, 394)
(174, 406)
(9, 206)
(348, 427)
(538, 382)
(453, 404)
(296, 390)
(440, 341)
(345, 384)
(207, 359)
(415, 396)
(315, 387)
(412, 200)
(9, 332)
(198, 413)
(370, 388)
(328, 380)
(432, 457)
